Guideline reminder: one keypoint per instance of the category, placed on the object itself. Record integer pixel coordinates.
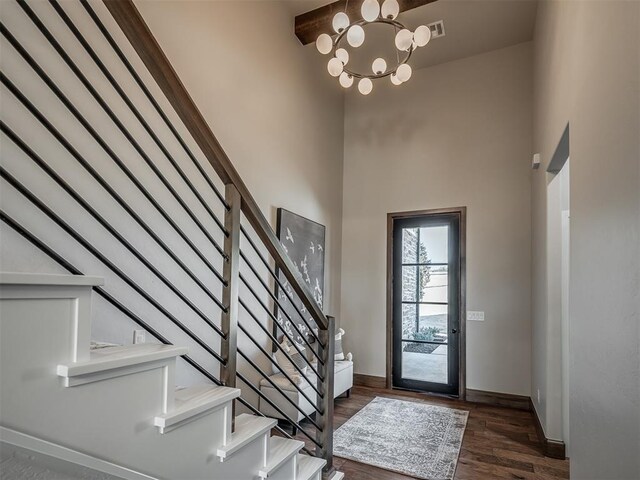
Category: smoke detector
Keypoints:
(437, 29)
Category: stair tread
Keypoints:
(280, 450)
(117, 357)
(308, 466)
(338, 476)
(195, 400)
(248, 428)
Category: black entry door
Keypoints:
(426, 303)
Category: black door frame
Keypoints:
(461, 213)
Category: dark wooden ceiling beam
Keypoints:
(311, 24)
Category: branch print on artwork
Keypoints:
(303, 241)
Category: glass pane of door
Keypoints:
(425, 362)
(434, 284)
(433, 322)
(435, 244)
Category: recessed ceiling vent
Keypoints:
(437, 29)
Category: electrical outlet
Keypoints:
(475, 316)
(139, 336)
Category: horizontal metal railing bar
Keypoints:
(413, 302)
(285, 374)
(100, 290)
(273, 384)
(140, 37)
(105, 224)
(430, 264)
(424, 341)
(277, 427)
(275, 340)
(151, 99)
(94, 251)
(275, 298)
(278, 409)
(272, 316)
(277, 280)
(65, 18)
(114, 118)
(65, 101)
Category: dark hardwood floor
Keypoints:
(498, 443)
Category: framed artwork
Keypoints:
(304, 241)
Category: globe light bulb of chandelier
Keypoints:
(340, 22)
(355, 36)
(346, 80)
(342, 55)
(394, 79)
(370, 10)
(379, 66)
(404, 72)
(390, 9)
(404, 39)
(335, 67)
(365, 85)
(422, 35)
(324, 44)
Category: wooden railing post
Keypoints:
(230, 273)
(326, 349)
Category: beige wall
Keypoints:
(458, 134)
(278, 120)
(591, 81)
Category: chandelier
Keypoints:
(406, 43)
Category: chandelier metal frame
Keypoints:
(394, 23)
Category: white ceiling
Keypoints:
(472, 27)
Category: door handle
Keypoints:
(453, 330)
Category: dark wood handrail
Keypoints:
(136, 30)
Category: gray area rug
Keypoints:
(412, 438)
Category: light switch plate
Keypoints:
(475, 316)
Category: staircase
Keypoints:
(109, 168)
(120, 404)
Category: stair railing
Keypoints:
(238, 199)
(254, 264)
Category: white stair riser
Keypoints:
(287, 471)
(250, 458)
(167, 368)
(282, 454)
(262, 441)
(69, 304)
